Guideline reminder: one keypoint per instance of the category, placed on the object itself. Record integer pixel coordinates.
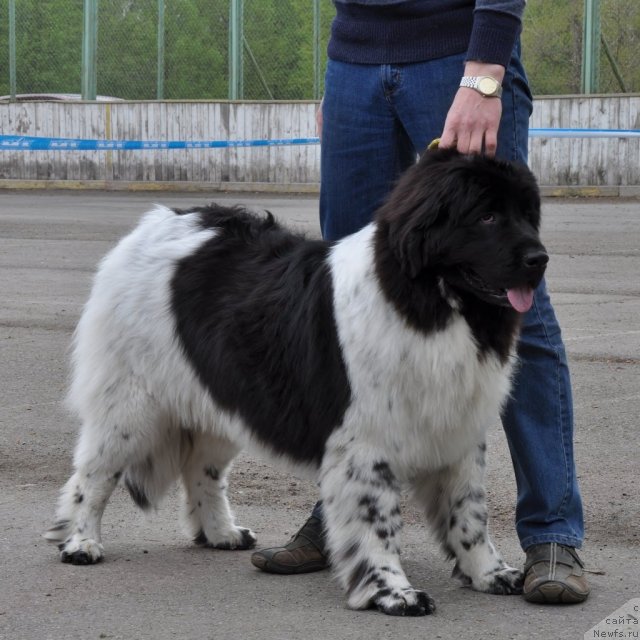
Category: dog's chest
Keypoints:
(426, 397)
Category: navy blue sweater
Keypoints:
(399, 31)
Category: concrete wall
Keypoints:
(610, 163)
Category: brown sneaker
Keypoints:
(554, 574)
(304, 553)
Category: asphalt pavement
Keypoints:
(154, 584)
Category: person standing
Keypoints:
(401, 73)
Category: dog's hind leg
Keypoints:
(115, 439)
(207, 513)
(77, 526)
(455, 502)
(81, 504)
(361, 499)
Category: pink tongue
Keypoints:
(521, 299)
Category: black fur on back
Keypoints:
(254, 312)
(432, 225)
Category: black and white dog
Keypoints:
(376, 362)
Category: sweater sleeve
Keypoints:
(496, 27)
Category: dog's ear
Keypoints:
(408, 247)
(417, 210)
(414, 231)
(419, 243)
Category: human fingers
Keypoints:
(491, 142)
(319, 120)
(472, 123)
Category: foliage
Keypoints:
(552, 45)
(278, 47)
(48, 46)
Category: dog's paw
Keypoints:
(404, 602)
(504, 582)
(78, 550)
(237, 539)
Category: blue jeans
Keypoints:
(376, 119)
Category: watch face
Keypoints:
(487, 86)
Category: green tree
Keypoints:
(197, 49)
(551, 46)
(48, 46)
(126, 48)
(621, 31)
(278, 47)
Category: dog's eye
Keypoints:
(488, 218)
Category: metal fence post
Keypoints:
(12, 50)
(160, 83)
(316, 49)
(236, 20)
(89, 50)
(591, 47)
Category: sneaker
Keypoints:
(304, 553)
(554, 574)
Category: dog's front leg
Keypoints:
(455, 502)
(361, 504)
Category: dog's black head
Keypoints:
(472, 221)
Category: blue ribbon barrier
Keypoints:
(584, 133)
(34, 143)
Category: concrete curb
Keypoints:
(312, 188)
(175, 186)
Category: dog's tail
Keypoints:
(149, 480)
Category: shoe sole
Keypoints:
(554, 593)
(266, 565)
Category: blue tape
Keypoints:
(584, 133)
(33, 143)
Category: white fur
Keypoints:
(435, 386)
(420, 404)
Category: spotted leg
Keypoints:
(77, 526)
(361, 503)
(455, 502)
(100, 459)
(207, 512)
(124, 438)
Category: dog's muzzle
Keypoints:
(521, 297)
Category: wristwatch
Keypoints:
(485, 85)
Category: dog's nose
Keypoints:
(535, 259)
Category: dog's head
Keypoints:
(472, 221)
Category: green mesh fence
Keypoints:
(48, 45)
(552, 46)
(182, 49)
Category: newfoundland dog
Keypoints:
(374, 363)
